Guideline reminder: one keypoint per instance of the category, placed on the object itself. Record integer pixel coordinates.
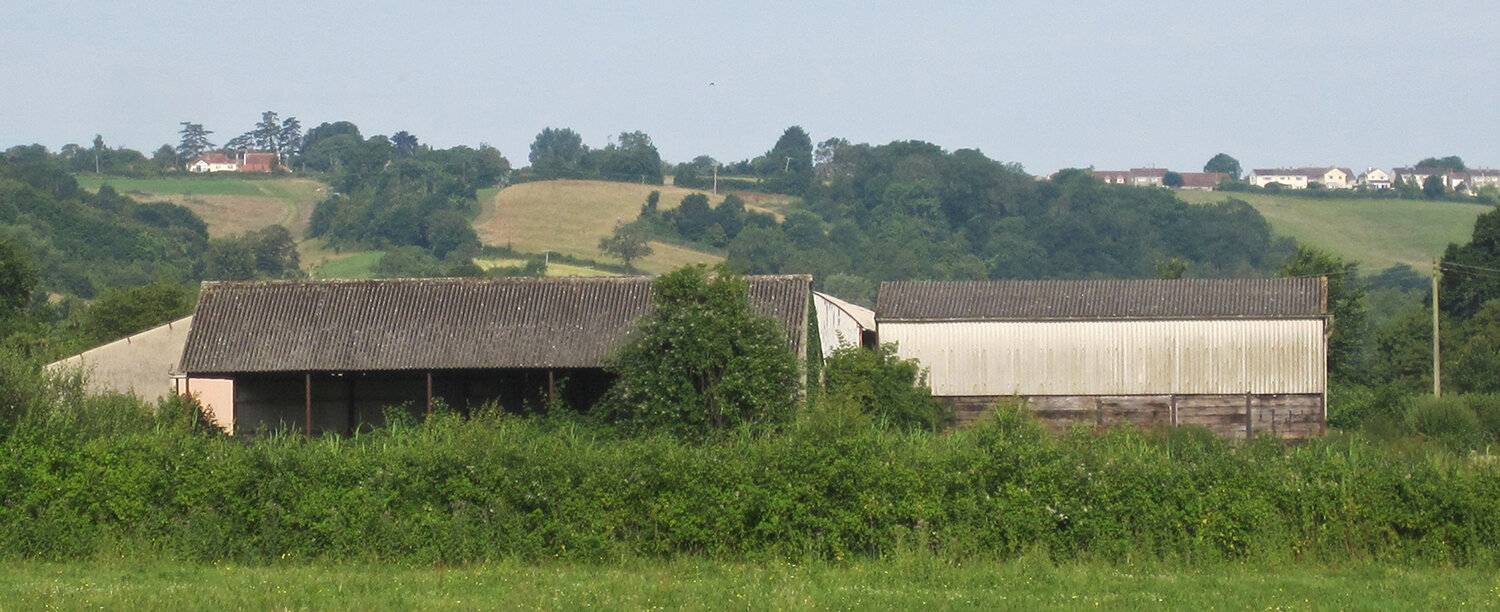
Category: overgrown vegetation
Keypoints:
(702, 362)
(88, 477)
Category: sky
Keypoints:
(1048, 85)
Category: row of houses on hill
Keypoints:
(1241, 357)
(243, 161)
(1156, 177)
(1330, 177)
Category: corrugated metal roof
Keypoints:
(1102, 299)
(435, 324)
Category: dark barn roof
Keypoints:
(438, 324)
(1259, 298)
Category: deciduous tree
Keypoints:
(702, 361)
(1224, 163)
(1346, 305)
(557, 152)
(628, 242)
(18, 277)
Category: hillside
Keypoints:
(1377, 233)
(228, 204)
(570, 216)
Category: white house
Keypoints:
(1375, 178)
(1286, 177)
(214, 162)
(1302, 178)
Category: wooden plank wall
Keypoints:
(1290, 416)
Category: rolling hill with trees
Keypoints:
(1379, 233)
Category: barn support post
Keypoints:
(1249, 421)
(307, 395)
(353, 418)
(1098, 414)
(429, 393)
(1172, 405)
(187, 392)
(551, 390)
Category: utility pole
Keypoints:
(716, 179)
(1437, 347)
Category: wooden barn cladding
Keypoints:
(1257, 298)
(438, 324)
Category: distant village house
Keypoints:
(1156, 177)
(1303, 178)
(243, 162)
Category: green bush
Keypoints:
(892, 390)
(1486, 407)
(702, 362)
(1448, 420)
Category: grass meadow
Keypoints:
(905, 582)
(228, 204)
(570, 216)
(553, 269)
(1376, 233)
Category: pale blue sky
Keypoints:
(1047, 85)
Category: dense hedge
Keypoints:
(495, 486)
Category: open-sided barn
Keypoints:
(1240, 356)
(332, 355)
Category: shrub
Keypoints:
(1448, 420)
(702, 361)
(892, 390)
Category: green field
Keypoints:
(553, 268)
(570, 217)
(900, 584)
(1376, 233)
(228, 204)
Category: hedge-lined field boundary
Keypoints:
(75, 486)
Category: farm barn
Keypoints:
(1239, 356)
(329, 356)
(139, 364)
(841, 322)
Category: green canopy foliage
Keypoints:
(1346, 306)
(702, 362)
(1224, 163)
(879, 383)
(84, 243)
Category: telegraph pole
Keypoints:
(1437, 347)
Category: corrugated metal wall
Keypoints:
(837, 325)
(1116, 357)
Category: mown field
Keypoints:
(1376, 233)
(553, 269)
(228, 204)
(571, 216)
(901, 583)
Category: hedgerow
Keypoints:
(497, 486)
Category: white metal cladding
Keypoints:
(840, 322)
(1117, 357)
